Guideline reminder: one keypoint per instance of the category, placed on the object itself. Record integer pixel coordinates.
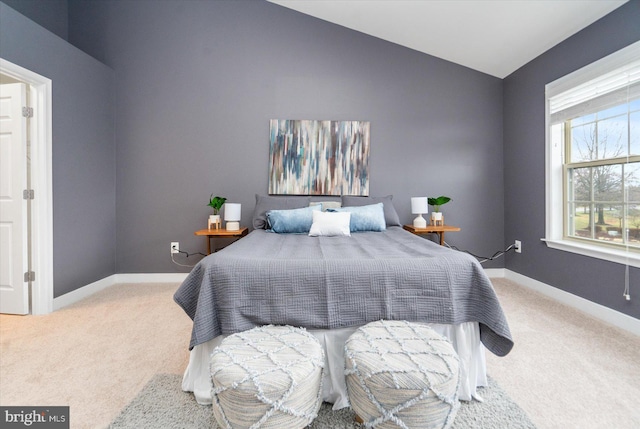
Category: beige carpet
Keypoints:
(566, 370)
(96, 355)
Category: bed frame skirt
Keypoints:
(465, 338)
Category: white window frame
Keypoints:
(555, 204)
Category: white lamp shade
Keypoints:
(419, 205)
(232, 212)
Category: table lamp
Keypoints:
(419, 206)
(232, 216)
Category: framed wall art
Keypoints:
(309, 157)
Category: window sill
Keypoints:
(612, 255)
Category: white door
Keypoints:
(14, 292)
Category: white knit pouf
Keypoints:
(402, 375)
(267, 377)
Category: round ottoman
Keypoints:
(401, 375)
(267, 377)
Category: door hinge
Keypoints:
(28, 194)
(29, 276)
(27, 112)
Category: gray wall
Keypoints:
(198, 81)
(524, 161)
(195, 84)
(83, 149)
(51, 14)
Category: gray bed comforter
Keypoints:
(335, 282)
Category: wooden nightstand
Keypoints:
(218, 233)
(432, 229)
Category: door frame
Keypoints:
(41, 182)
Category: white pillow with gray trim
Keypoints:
(327, 204)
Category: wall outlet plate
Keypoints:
(518, 246)
(175, 247)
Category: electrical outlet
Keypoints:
(175, 247)
(518, 246)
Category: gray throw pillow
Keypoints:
(264, 203)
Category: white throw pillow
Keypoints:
(329, 224)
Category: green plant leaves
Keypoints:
(437, 202)
(216, 203)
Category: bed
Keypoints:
(331, 285)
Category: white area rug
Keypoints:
(162, 404)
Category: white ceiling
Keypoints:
(492, 36)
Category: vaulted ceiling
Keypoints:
(492, 36)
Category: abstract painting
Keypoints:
(310, 157)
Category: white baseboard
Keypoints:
(495, 272)
(151, 278)
(88, 290)
(83, 292)
(598, 311)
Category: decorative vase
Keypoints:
(214, 222)
(437, 218)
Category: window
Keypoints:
(593, 159)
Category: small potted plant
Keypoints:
(436, 215)
(216, 204)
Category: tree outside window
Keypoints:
(602, 175)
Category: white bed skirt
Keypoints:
(465, 338)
